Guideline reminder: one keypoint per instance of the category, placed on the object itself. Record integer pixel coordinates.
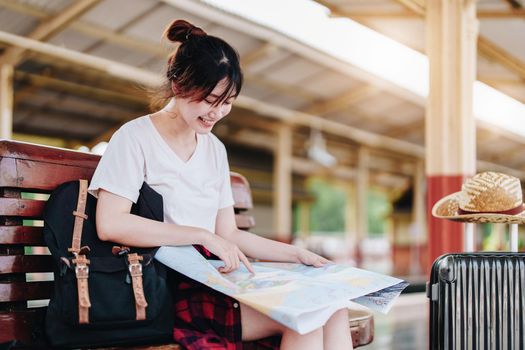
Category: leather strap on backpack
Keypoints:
(135, 270)
(80, 261)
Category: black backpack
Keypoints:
(104, 294)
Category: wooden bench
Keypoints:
(27, 173)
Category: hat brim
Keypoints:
(448, 208)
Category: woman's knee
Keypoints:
(316, 333)
(338, 320)
(341, 315)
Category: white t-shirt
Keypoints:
(192, 191)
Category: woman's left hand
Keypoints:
(308, 258)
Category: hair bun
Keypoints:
(181, 30)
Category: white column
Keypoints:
(6, 101)
(282, 179)
(363, 157)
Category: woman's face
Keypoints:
(201, 116)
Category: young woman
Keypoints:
(174, 151)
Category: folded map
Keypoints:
(298, 296)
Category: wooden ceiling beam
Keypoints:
(499, 55)
(48, 28)
(407, 14)
(76, 89)
(93, 30)
(485, 47)
(516, 4)
(280, 88)
(147, 78)
(503, 82)
(263, 51)
(123, 28)
(342, 101)
(160, 52)
(407, 128)
(413, 5)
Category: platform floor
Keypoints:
(405, 327)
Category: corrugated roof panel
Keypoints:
(516, 90)
(53, 125)
(96, 109)
(73, 40)
(490, 69)
(152, 25)
(273, 60)
(329, 84)
(416, 137)
(121, 54)
(156, 65)
(409, 112)
(378, 103)
(294, 70)
(255, 91)
(47, 6)
(44, 97)
(494, 146)
(114, 14)
(508, 34)
(291, 102)
(241, 42)
(367, 5)
(496, 5)
(410, 32)
(16, 23)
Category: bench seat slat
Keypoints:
(244, 222)
(25, 263)
(20, 324)
(21, 291)
(47, 176)
(241, 191)
(47, 154)
(26, 235)
(27, 208)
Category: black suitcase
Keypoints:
(477, 301)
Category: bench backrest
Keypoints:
(28, 173)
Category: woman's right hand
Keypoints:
(228, 252)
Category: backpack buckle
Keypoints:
(134, 266)
(81, 266)
(120, 250)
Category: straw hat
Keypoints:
(487, 197)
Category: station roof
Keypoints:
(285, 80)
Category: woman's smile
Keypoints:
(206, 122)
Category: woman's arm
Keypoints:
(116, 223)
(262, 248)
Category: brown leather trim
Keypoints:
(135, 270)
(80, 261)
(82, 274)
(513, 211)
(80, 216)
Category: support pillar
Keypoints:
(282, 179)
(6, 101)
(452, 30)
(361, 189)
(419, 228)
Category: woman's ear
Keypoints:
(174, 88)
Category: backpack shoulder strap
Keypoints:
(80, 216)
(80, 261)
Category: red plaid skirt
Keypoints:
(207, 319)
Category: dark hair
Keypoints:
(198, 65)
